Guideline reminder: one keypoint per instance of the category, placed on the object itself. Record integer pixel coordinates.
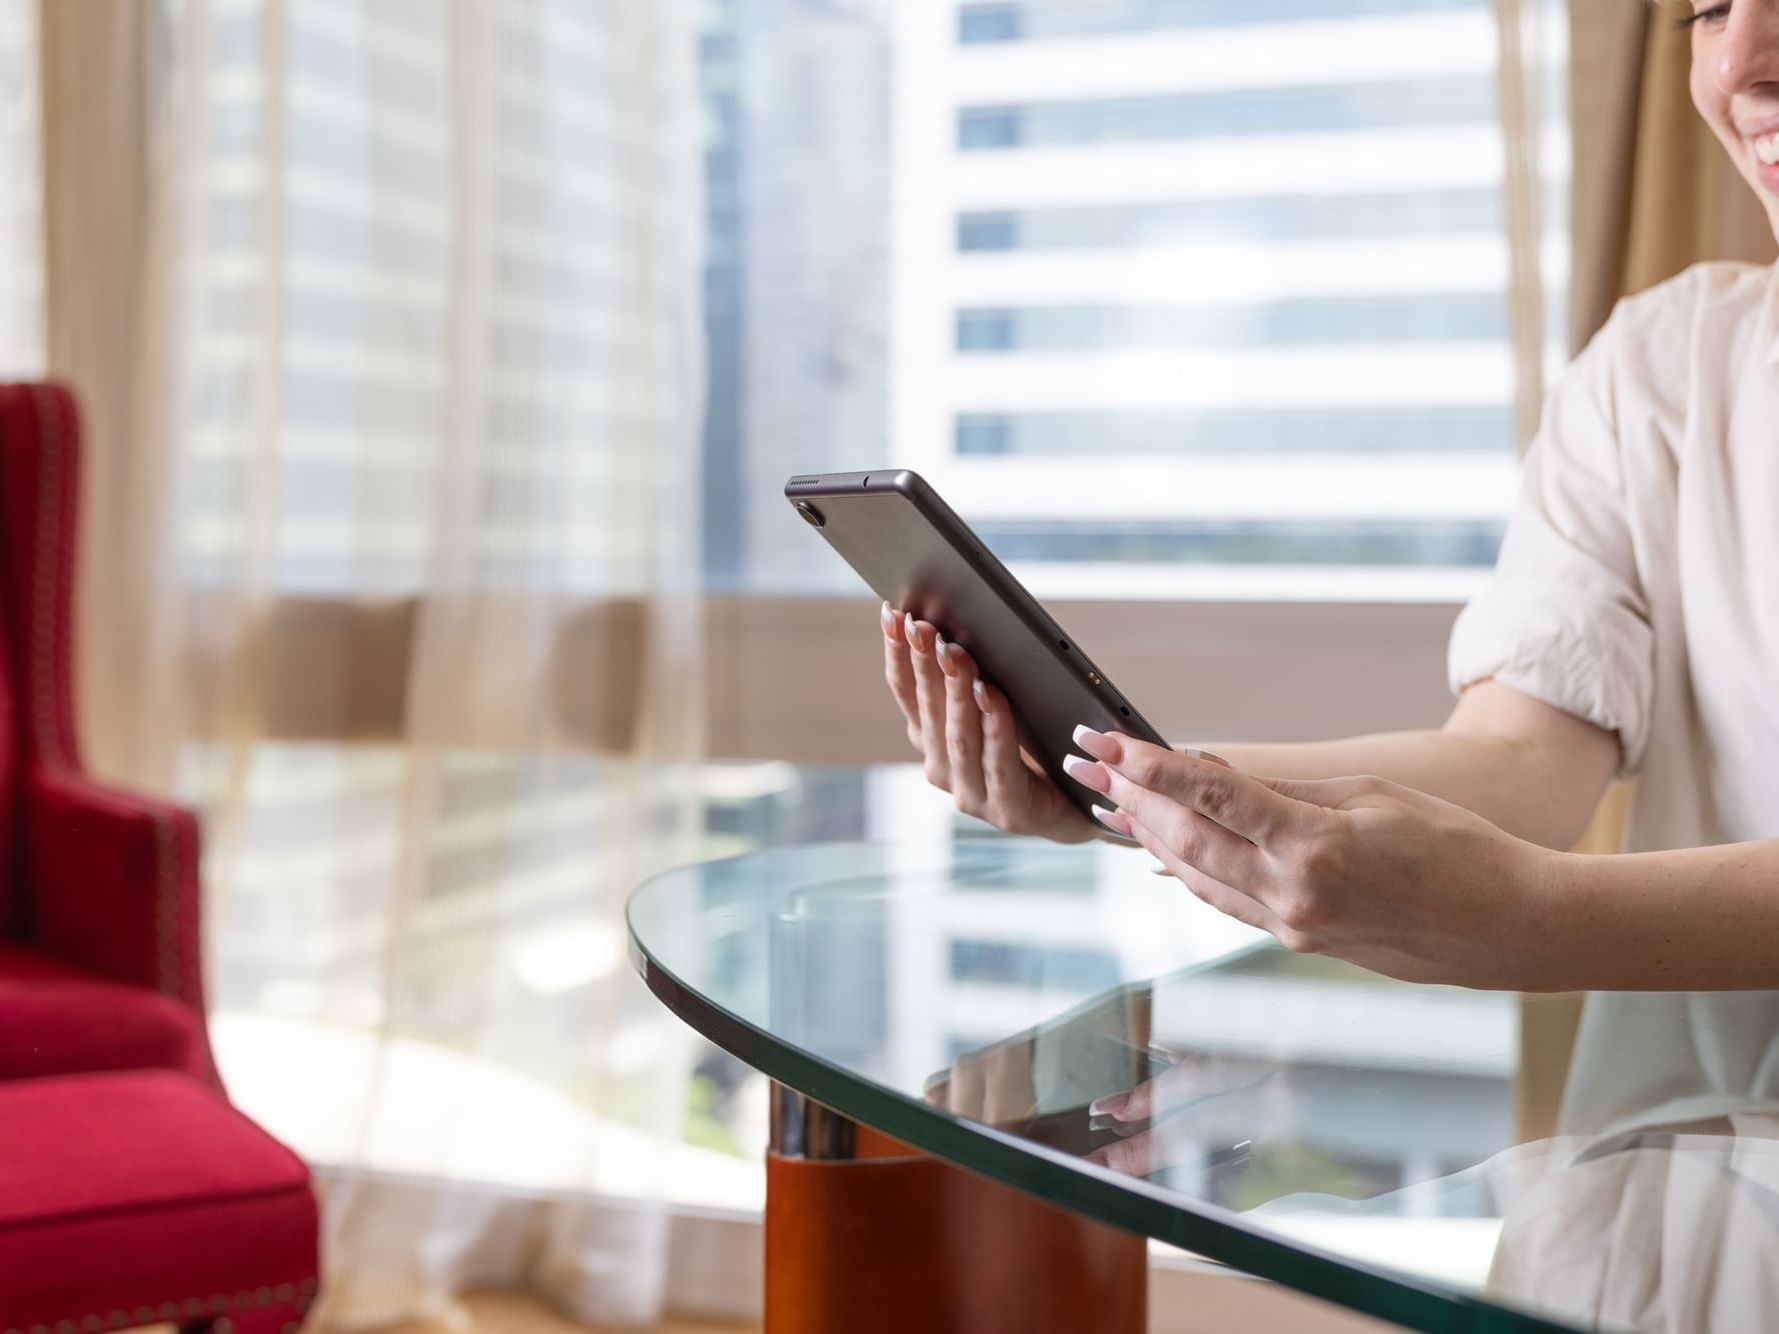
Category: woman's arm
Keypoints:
(1534, 770)
(1695, 919)
(1406, 884)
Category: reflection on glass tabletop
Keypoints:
(1061, 1020)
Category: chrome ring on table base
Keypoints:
(803, 1128)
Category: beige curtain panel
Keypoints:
(385, 321)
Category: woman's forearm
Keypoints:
(1532, 770)
(1455, 768)
(1483, 775)
(1698, 919)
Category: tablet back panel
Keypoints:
(919, 556)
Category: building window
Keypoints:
(1035, 19)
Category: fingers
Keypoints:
(966, 1087)
(1159, 1096)
(1005, 778)
(1127, 1156)
(963, 729)
(934, 683)
(1131, 1105)
(898, 671)
(929, 694)
(1229, 798)
(1185, 835)
(992, 1085)
(1170, 850)
(1225, 898)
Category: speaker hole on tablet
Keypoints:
(1123, 709)
(1063, 644)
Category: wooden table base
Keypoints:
(886, 1240)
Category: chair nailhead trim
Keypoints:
(46, 717)
(299, 1295)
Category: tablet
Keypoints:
(919, 556)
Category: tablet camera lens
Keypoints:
(811, 515)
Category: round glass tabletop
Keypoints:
(1060, 1020)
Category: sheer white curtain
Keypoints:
(21, 240)
(394, 580)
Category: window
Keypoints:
(1282, 217)
(344, 251)
(1246, 111)
(1167, 291)
(1157, 289)
(1011, 22)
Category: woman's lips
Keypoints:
(1764, 149)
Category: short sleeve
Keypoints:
(1564, 619)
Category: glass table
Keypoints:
(1121, 1060)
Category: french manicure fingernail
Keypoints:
(943, 651)
(980, 691)
(1086, 773)
(888, 617)
(1098, 744)
(1156, 868)
(1100, 1106)
(1117, 821)
(911, 629)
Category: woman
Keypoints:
(1632, 627)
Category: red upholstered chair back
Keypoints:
(10, 852)
(39, 487)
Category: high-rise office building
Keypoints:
(797, 113)
(1182, 285)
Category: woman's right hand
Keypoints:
(965, 732)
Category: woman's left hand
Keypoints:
(1360, 868)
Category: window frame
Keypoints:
(799, 678)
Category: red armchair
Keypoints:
(130, 1190)
(99, 965)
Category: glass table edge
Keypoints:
(1134, 1205)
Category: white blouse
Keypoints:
(1638, 587)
